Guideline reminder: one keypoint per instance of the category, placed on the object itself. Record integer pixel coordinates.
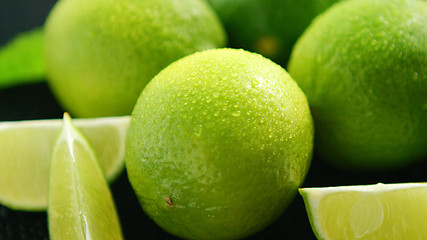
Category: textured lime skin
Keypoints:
(218, 144)
(268, 27)
(365, 79)
(101, 53)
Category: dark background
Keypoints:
(36, 102)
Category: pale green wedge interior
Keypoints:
(388, 212)
(26, 148)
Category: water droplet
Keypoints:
(198, 130)
(255, 81)
(216, 113)
(215, 95)
(236, 113)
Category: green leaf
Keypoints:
(22, 60)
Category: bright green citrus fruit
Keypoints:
(381, 211)
(363, 66)
(268, 27)
(101, 53)
(218, 144)
(26, 149)
(80, 203)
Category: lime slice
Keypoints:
(80, 202)
(381, 211)
(26, 148)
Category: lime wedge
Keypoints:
(26, 148)
(80, 204)
(381, 211)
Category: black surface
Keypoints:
(36, 102)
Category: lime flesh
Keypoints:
(381, 211)
(26, 148)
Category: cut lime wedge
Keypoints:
(381, 211)
(80, 204)
(26, 148)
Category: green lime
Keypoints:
(80, 203)
(268, 27)
(100, 54)
(368, 212)
(362, 65)
(26, 148)
(218, 144)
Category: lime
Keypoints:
(268, 27)
(26, 148)
(362, 65)
(100, 54)
(80, 203)
(381, 211)
(218, 144)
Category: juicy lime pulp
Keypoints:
(381, 211)
(26, 148)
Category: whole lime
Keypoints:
(363, 65)
(218, 144)
(268, 27)
(100, 54)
